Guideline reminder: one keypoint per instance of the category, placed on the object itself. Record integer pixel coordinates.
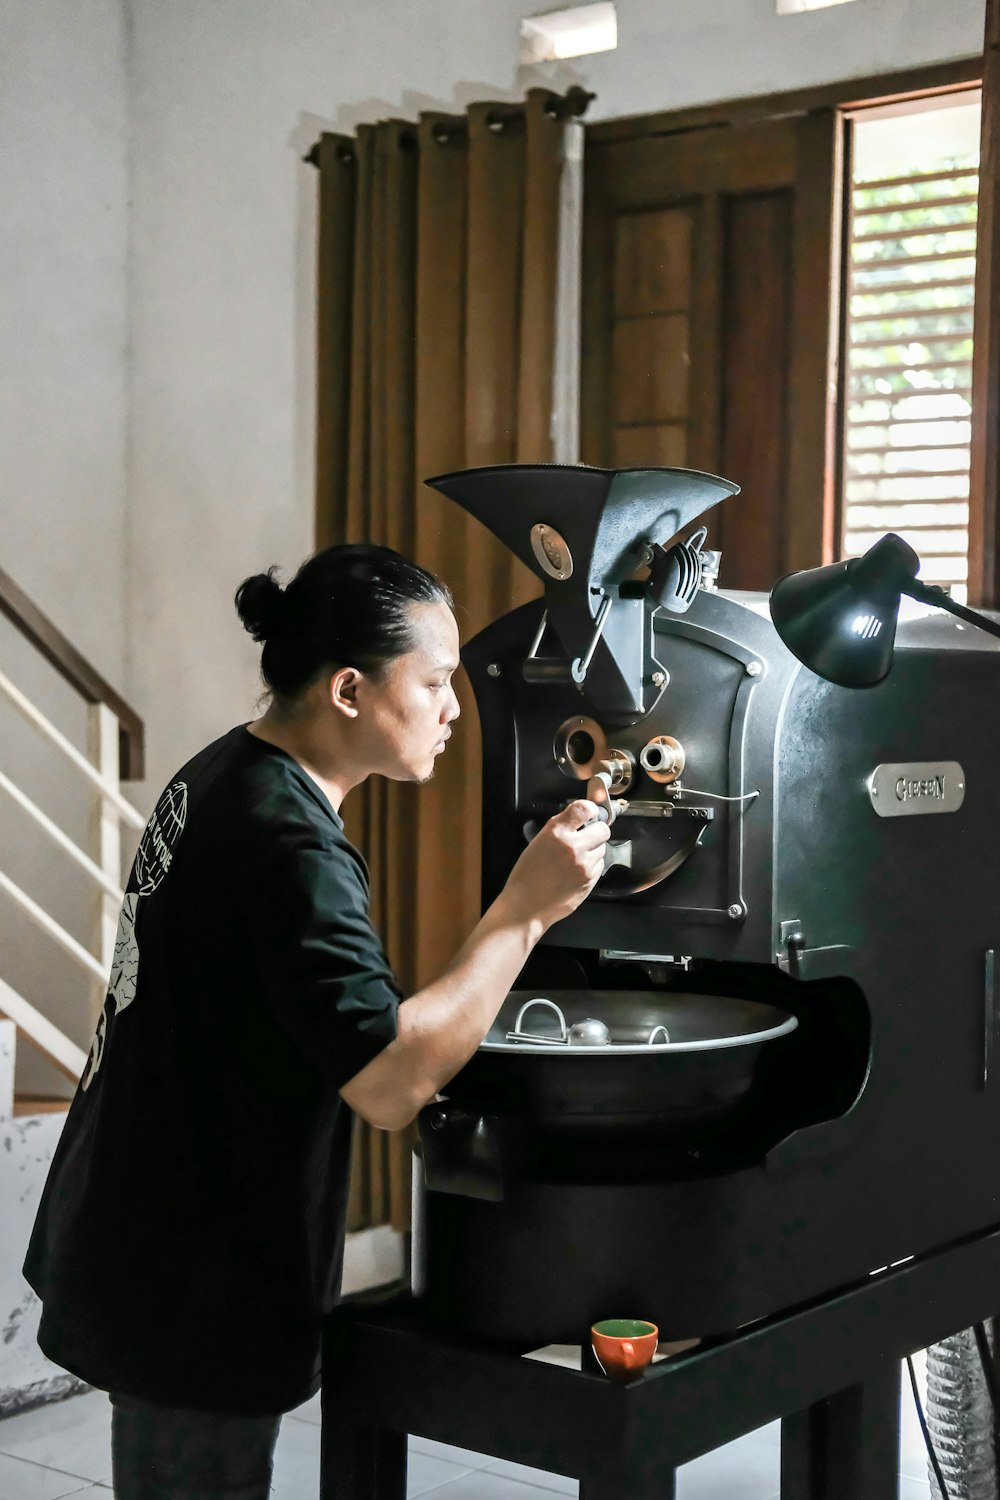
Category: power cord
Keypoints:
(695, 791)
(923, 1428)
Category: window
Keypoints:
(910, 274)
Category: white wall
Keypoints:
(63, 319)
(677, 52)
(63, 403)
(226, 97)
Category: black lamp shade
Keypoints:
(840, 621)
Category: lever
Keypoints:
(599, 792)
(618, 852)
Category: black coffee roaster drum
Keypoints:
(760, 1062)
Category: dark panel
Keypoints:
(757, 281)
(651, 369)
(643, 447)
(937, 78)
(984, 477)
(654, 171)
(817, 234)
(653, 263)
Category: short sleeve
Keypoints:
(320, 960)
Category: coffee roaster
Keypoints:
(761, 1062)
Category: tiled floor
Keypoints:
(65, 1449)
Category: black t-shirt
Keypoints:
(189, 1239)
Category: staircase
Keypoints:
(44, 965)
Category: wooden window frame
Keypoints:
(852, 93)
(818, 532)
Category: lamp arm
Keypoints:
(929, 593)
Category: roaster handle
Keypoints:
(554, 669)
(468, 1153)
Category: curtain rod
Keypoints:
(572, 104)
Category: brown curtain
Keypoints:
(437, 291)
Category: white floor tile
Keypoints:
(559, 1484)
(914, 1489)
(426, 1472)
(309, 1411)
(480, 1484)
(745, 1470)
(72, 1435)
(463, 1456)
(769, 1434)
(93, 1491)
(296, 1461)
(20, 1480)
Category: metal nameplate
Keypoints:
(906, 788)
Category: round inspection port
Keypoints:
(662, 759)
(579, 746)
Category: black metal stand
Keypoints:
(830, 1371)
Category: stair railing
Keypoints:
(114, 752)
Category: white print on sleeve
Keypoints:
(156, 852)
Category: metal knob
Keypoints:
(589, 1033)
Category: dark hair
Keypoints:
(348, 606)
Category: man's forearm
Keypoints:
(446, 1020)
(441, 1025)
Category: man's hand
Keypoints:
(560, 867)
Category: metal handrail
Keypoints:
(62, 839)
(60, 652)
(27, 709)
(115, 751)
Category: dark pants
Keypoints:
(163, 1453)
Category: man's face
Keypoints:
(405, 713)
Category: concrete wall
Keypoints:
(226, 97)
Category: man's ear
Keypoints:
(343, 689)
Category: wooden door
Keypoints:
(710, 271)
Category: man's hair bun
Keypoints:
(349, 606)
(260, 604)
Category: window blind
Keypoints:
(908, 365)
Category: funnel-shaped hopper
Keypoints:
(608, 518)
(585, 532)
